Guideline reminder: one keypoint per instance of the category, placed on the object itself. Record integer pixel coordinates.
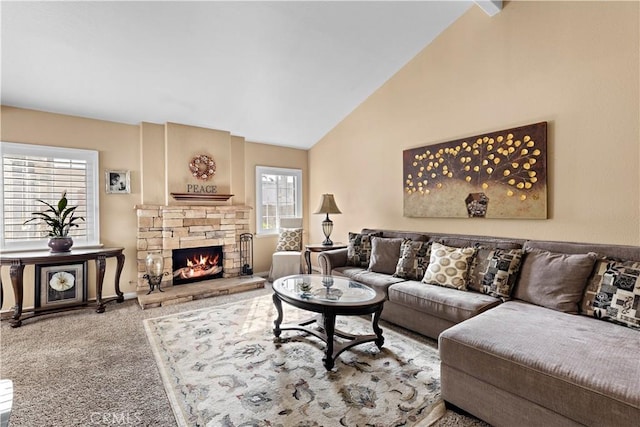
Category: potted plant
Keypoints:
(60, 219)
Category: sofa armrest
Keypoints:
(329, 260)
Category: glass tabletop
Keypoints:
(323, 288)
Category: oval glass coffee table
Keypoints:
(329, 296)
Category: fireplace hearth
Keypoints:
(168, 228)
(196, 264)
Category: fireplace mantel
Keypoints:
(162, 228)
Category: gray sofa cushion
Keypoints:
(418, 237)
(445, 303)
(385, 253)
(375, 280)
(581, 368)
(554, 280)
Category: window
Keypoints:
(31, 172)
(278, 195)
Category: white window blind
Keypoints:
(34, 172)
(278, 195)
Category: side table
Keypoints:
(319, 247)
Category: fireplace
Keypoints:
(167, 228)
(196, 264)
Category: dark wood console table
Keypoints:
(18, 260)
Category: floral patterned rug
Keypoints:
(222, 366)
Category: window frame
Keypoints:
(92, 217)
(269, 170)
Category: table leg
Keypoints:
(278, 321)
(17, 274)
(120, 258)
(307, 257)
(329, 320)
(376, 317)
(100, 268)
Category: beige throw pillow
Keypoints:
(290, 239)
(448, 266)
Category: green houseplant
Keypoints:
(60, 218)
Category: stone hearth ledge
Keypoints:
(198, 290)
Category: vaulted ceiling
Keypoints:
(283, 73)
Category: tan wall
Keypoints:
(118, 146)
(142, 149)
(152, 164)
(281, 157)
(575, 65)
(183, 143)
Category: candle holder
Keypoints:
(154, 264)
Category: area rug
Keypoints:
(222, 366)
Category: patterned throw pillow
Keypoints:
(614, 293)
(359, 249)
(494, 271)
(290, 239)
(449, 266)
(414, 259)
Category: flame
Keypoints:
(199, 266)
(202, 261)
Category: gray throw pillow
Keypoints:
(613, 294)
(494, 271)
(414, 259)
(359, 249)
(554, 280)
(385, 253)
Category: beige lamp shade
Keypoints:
(328, 205)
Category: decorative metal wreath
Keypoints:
(202, 167)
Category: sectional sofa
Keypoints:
(529, 332)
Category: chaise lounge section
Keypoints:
(535, 357)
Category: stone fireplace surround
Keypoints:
(164, 228)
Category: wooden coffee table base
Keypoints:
(325, 330)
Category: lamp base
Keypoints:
(327, 242)
(327, 227)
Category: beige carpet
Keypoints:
(222, 366)
(82, 368)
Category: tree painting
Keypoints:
(496, 175)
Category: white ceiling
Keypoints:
(283, 73)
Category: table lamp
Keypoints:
(327, 206)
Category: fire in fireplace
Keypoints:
(196, 264)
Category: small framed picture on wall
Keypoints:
(60, 285)
(118, 182)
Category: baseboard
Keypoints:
(6, 314)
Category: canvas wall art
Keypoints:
(499, 174)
